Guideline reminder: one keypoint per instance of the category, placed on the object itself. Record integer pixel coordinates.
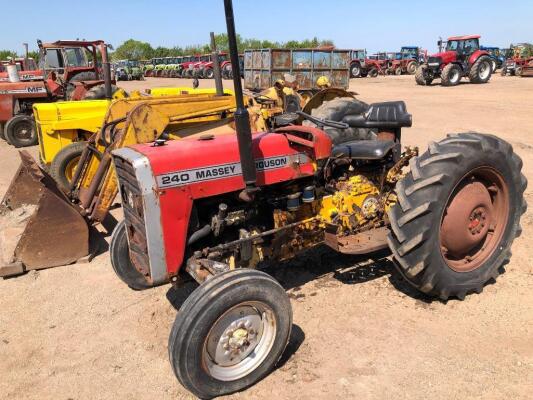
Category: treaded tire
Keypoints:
(82, 76)
(420, 77)
(2, 132)
(373, 73)
(98, 92)
(451, 75)
(422, 200)
(120, 260)
(355, 70)
(18, 122)
(60, 163)
(475, 71)
(336, 110)
(411, 68)
(204, 307)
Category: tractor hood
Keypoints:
(177, 162)
(445, 57)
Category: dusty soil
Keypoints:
(359, 331)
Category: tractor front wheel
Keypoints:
(457, 215)
(20, 131)
(422, 77)
(230, 333)
(481, 70)
(65, 162)
(373, 73)
(120, 260)
(451, 75)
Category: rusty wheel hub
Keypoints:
(474, 220)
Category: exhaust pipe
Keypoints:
(242, 120)
(216, 66)
(107, 73)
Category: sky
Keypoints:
(383, 25)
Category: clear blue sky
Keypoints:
(375, 25)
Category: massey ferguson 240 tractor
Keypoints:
(461, 58)
(218, 207)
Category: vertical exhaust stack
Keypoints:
(107, 73)
(216, 66)
(242, 120)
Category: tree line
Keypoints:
(137, 50)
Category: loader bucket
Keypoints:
(39, 227)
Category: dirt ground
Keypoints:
(359, 331)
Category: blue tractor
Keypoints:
(497, 57)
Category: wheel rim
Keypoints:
(23, 131)
(474, 219)
(454, 75)
(239, 341)
(484, 70)
(70, 168)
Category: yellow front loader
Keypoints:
(44, 225)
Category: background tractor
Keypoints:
(449, 217)
(70, 70)
(496, 56)
(518, 57)
(26, 68)
(462, 58)
(128, 70)
(407, 60)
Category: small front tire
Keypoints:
(65, 162)
(230, 333)
(120, 260)
(20, 131)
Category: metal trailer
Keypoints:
(263, 67)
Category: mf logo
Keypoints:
(35, 89)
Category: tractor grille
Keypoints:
(434, 61)
(132, 205)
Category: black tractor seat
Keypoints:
(391, 114)
(363, 149)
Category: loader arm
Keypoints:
(96, 186)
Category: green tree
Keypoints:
(4, 54)
(133, 50)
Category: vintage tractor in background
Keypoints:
(449, 216)
(70, 70)
(462, 57)
(362, 66)
(227, 70)
(407, 60)
(128, 70)
(205, 69)
(26, 69)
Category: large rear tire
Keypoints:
(120, 260)
(457, 215)
(481, 71)
(451, 75)
(336, 110)
(98, 92)
(64, 163)
(355, 70)
(411, 68)
(20, 131)
(230, 333)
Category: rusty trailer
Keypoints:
(263, 67)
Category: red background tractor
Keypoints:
(461, 58)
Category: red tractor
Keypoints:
(362, 66)
(218, 208)
(70, 72)
(407, 60)
(462, 57)
(26, 68)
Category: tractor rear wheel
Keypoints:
(120, 260)
(65, 162)
(457, 215)
(20, 131)
(230, 333)
(412, 67)
(398, 70)
(481, 71)
(451, 75)
(355, 70)
(494, 65)
(209, 73)
(336, 110)
(98, 92)
(421, 76)
(373, 73)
